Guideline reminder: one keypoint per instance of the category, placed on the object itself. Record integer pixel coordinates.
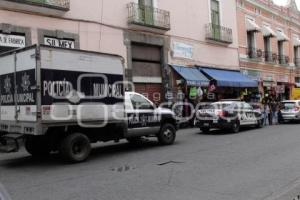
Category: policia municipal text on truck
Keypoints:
(61, 100)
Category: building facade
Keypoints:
(150, 35)
(269, 38)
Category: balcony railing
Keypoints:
(297, 62)
(148, 16)
(283, 60)
(255, 53)
(218, 33)
(55, 4)
(268, 56)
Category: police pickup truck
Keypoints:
(228, 115)
(59, 100)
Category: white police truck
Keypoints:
(62, 100)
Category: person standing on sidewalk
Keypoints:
(270, 113)
(266, 111)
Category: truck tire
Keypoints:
(75, 147)
(167, 134)
(37, 146)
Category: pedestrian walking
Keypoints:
(266, 113)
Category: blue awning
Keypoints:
(228, 78)
(192, 75)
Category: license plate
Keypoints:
(215, 121)
(206, 124)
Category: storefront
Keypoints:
(284, 87)
(189, 82)
(276, 86)
(228, 84)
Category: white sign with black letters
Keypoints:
(62, 43)
(7, 40)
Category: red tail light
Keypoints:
(222, 113)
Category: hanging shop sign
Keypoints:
(211, 96)
(268, 77)
(16, 41)
(283, 78)
(253, 74)
(269, 84)
(280, 89)
(296, 94)
(62, 43)
(182, 50)
(169, 95)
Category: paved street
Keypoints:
(251, 165)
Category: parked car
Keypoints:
(290, 110)
(228, 115)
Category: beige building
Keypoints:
(151, 35)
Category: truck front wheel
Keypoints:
(75, 147)
(167, 134)
(37, 146)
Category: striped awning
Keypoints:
(281, 36)
(267, 31)
(252, 26)
(296, 42)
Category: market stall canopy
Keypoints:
(296, 42)
(192, 75)
(252, 26)
(267, 31)
(281, 36)
(228, 78)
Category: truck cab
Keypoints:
(144, 118)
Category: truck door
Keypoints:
(141, 115)
(18, 82)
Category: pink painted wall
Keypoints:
(100, 24)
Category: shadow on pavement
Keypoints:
(99, 152)
(220, 132)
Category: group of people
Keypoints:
(271, 112)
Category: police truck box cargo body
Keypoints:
(61, 100)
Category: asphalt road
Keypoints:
(256, 164)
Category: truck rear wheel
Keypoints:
(167, 134)
(37, 146)
(75, 147)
